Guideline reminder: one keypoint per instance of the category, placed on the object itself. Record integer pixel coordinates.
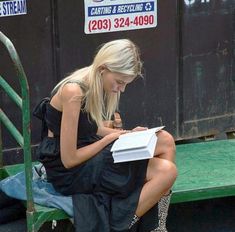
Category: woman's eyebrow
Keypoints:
(121, 81)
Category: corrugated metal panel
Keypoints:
(207, 90)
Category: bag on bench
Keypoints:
(43, 191)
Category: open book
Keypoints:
(137, 145)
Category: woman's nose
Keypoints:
(122, 88)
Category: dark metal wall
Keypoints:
(207, 86)
(188, 63)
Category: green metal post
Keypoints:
(1, 155)
(11, 128)
(11, 92)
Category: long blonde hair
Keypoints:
(119, 56)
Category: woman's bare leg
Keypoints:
(165, 147)
(161, 173)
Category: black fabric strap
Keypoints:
(39, 112)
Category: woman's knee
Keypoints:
(169, 169)
(167, 139)
(161, 167)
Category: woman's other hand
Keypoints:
(139, 128)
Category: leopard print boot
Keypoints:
(163, 206)
(134, 221)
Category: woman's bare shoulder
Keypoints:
(70, 92)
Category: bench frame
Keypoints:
(36, 215)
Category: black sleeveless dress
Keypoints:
(105, 195)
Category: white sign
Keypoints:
(13, 7)
(119, 15)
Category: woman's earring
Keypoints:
(101, 70)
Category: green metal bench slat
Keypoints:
(206, 170)
(14, 169)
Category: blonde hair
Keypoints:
(119, 56)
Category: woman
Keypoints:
(76, 148)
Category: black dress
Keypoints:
(105, 195)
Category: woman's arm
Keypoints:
(71, 95)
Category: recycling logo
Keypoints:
(148, 6)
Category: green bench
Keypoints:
(205, 170)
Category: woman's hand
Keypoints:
(139, 128)
(115, 135)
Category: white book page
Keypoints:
(144, 132)
(137, 139)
